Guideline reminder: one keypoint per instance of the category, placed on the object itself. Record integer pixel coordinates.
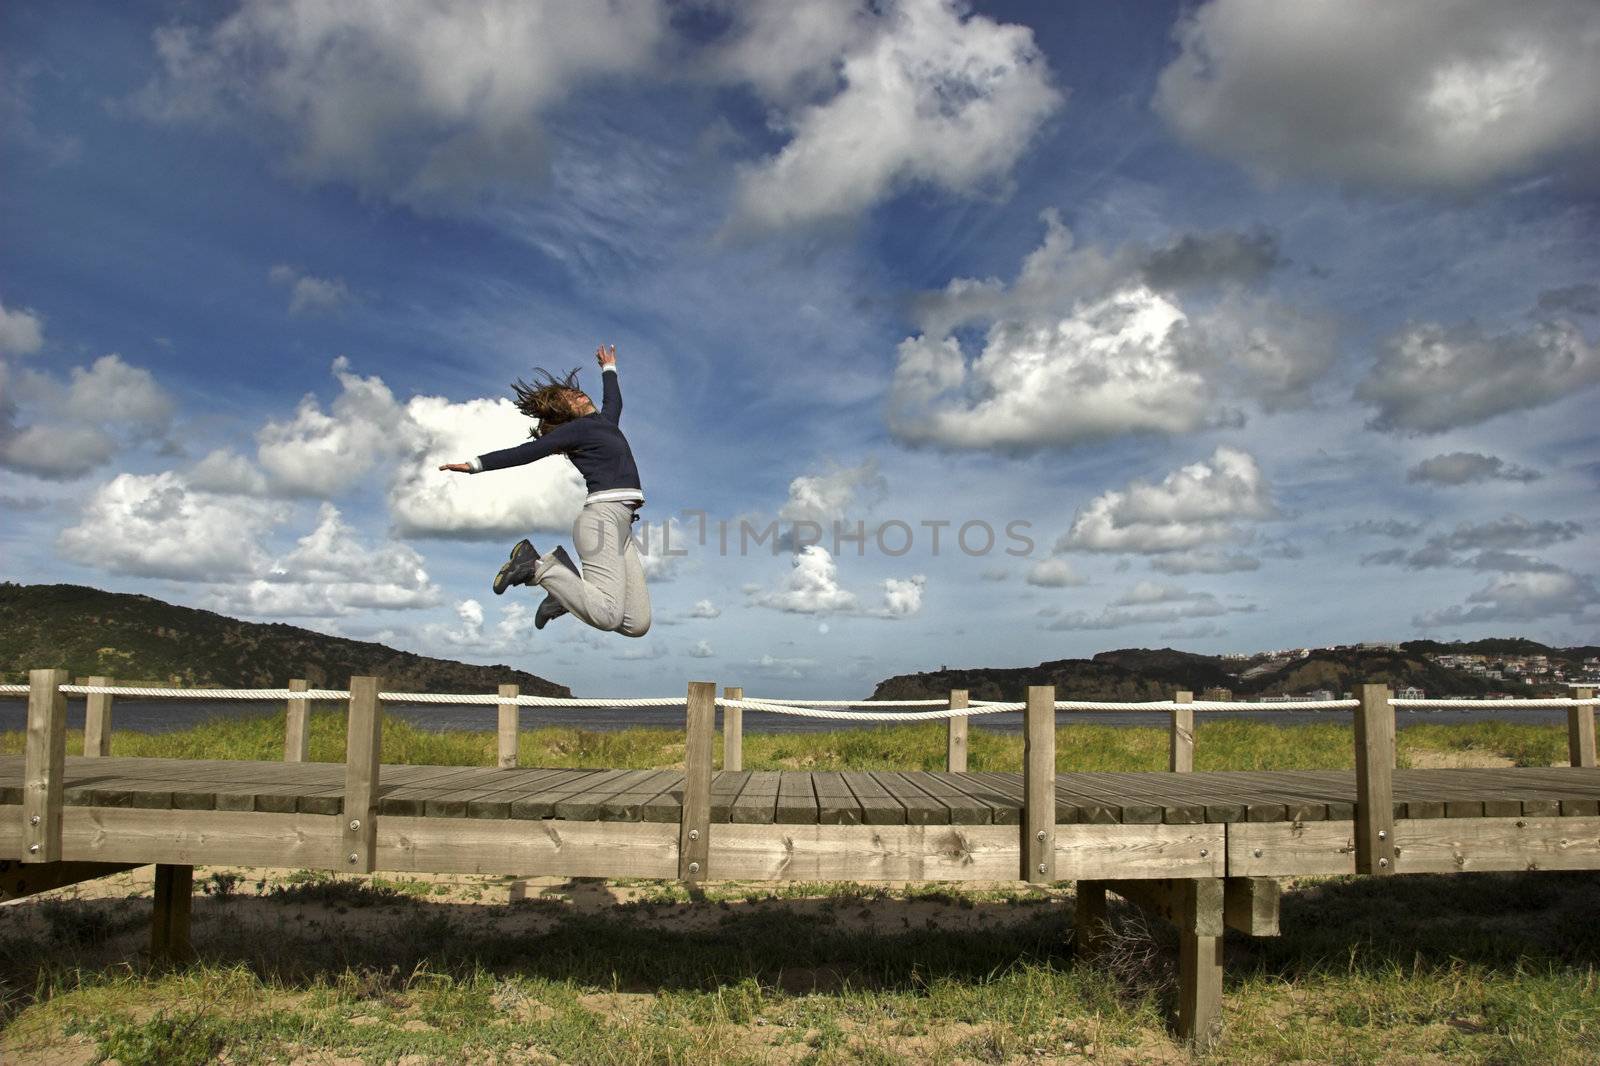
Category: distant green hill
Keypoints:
(1133, 674)
(89, 632)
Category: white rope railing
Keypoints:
(866, 716)
(843, 710)
(852, 703)
(1562, 702)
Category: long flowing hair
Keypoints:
(548, 399)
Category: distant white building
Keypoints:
(1411, 692)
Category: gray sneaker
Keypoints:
(550, 609)
(518, 570)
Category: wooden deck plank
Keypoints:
(757, 803)
(1002, 809)
(628, 804)
(725, 788)
(836, 804)
(921, 807)
(797, 799)
(1009, 785)
(877, 806)
(966, 807)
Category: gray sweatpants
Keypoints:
(611, 595)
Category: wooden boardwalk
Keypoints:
(1203, 850)
(811, 797)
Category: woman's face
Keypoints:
(580, 403)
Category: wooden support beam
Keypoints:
(694, 831)
(363, 746)
(955, 753)
(1194, 905)
(169, 921)
(44, 766)
(296, 727)
(18, 880)
(97, 721)
(1199, 989)
(510, 724)
(1374, 734)
(1180, 748)
(1251, 905)
(1089, 929)
(1580, 730)
(1039, 786)
(733, 731)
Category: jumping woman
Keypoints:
(609, 592)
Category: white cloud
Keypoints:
(1204, 561)
(664, 548)
(705, 609)
(787, 668)
(935, 97)
(21, 332)
(322, 454)
(309, 294)
(831, 496)
(367, 435)
(422, 102)
(228, 473)
(812, 587)
(1054, 574)
(702, 650)
(789, 51)
(346, 573)
(902, 597)
(1198, 505)
(1147, 603)
(546, 495)
(1469, 468)
(1080, 347)
(1523, 596)
(156, 525)
(1397, 95)
(1429, 379)
(1495, 543)
(74, 426)
(161, 525)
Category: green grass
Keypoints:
(1223, 744)
(1487, 969)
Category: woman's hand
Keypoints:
(606, 356)
(460, 468)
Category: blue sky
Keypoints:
(1258, 325)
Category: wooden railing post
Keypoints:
(44, 766)
(1374, 734)
(1580, 730)
(955, 749)
(1039, 785)
(363, 747)
(510, 724)
(1180, 749)
(97, 720)
(296, 724)
(733, 731)
(694, 832)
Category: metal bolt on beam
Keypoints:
(355, 825)
(1383, 834)
(694, 834)
(34, 820)
(1258, 853)
(694, 867)
(1041, 867)
(33, 849)
(1204, 852)
(353, 857)
(1383, 862)
(1040, 835)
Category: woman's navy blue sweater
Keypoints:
(595, 445)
